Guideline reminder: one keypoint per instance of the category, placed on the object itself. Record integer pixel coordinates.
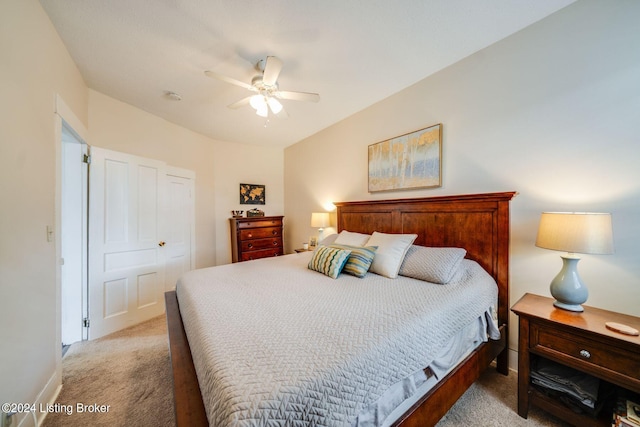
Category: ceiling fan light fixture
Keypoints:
(267, 93)
(257, 102)
(263, 111)
(275, 105)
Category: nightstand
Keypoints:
(580, 341)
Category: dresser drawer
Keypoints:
(602, 359)
(260, 233)
(264, 253)
(255, 244)
(260, 223)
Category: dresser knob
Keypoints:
(250, 245)
(585, 354)
(249, 235)
(275, 243)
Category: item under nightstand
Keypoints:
(576, 340)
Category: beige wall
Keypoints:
(219, 166)
(34, 67)
(247, 164)
(120, 127)
(550, 112)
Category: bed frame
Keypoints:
(477, 222)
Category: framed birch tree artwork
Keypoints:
(409, 161)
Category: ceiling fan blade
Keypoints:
(298, 96)
(271, 70)
(241, 103)
(228, 80)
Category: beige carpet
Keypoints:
(130, 372)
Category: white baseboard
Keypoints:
(48, 395)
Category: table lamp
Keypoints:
(320, 220)
(574, 233)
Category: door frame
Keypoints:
(73, 236)
(63, 116)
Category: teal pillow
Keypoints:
(329, 261)
(359, 260)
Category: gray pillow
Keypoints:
(435, 265)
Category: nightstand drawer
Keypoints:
(604, 360)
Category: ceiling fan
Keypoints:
(265, 85)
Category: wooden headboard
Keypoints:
(478, 223)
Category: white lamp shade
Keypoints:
(576, 232)
(320, 219)
(257, 101)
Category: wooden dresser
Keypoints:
(256, 237)
(580, 341)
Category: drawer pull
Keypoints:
(275, 243)
(250, 245)
(585, 354)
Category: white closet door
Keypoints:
(179, 225)
(126, 254)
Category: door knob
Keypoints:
(161, 244)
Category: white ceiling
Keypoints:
(352, 52)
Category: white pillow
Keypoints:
(328, 240)
(352, 239)
(391, 251)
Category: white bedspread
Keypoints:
(275, 344)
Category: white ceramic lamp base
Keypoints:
(567, 287)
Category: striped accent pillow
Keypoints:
(329, 261)
(360, 259)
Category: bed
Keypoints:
(478, 223)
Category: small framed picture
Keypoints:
(252, 194)
(313, 241)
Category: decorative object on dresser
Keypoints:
(253, 194)
(254, 212)
(254, 238)
(576, 340)
(413, 160)
(320, 220)
(237, 214)
(574, 233)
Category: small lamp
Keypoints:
(320, 220)
(573, 232)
